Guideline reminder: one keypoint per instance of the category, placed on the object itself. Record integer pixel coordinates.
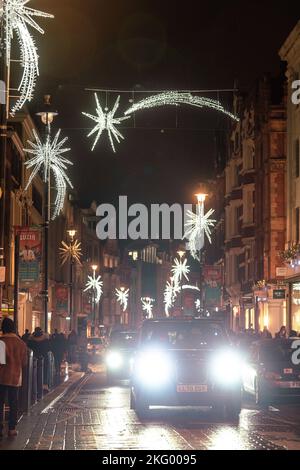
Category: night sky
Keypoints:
(139, 44)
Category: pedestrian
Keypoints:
(58, 350)
(82, 350)
(11, 375)
(38, 342)
(266, 333)
(282, 333)
(26, 336)
(72, 346)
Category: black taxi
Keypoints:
(186, 362)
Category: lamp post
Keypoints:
(181, 254)
(47, 115)
(71, 233)
(94, 268)
(3, 140)
(201, 197)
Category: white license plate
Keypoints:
(191, 388)
(289, 384)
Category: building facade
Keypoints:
(290, 53)
(255, 209)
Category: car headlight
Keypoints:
(226, 368)
(153, 368)
(114, 360)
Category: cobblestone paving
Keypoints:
(93, 416)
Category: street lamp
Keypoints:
(47, 115)
(201, 197)
(71, 233)
(181, 254)
(94, 268)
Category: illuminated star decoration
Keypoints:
(17, 17)
(170, 293)
(147, 306)
(196, 226)
(71, 252)
(176, 98)
(106, 120)
(122, 297)
(95, 283)
(47, 157)
(180, 269)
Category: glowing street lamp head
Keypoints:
(72, 233)
(181, 253)
(201, 197)
(94, 267)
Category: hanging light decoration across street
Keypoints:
(197, 224)
(71, 252)
(170, 293)
(48, 158)
(95, 284)
(180, 270)
(176, 98)
(147, 306)
(17, 17)
(106, 120)
(122, 297)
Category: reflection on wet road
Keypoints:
(97, 416)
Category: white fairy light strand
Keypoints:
(17, 17)
(122, 298)
(175, 98)
(47, 157)
(96, 284)
(106, 120)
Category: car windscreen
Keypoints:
(123, 340)
(184, 335)
(276, 351)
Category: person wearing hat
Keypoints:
(11, 374)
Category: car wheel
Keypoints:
(132, 401)
(260, 398)
(233, 409)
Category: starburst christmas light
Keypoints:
(106, 120)
(147, 306)
(170, 293)
(47, 158)
(96, 284)
(175, 98)
(180, 270)
(122, 297)
(196, 226)
(71, 252)
(17, 17)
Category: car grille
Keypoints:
(191, 372)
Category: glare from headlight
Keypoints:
(114, 360)
(153, 368)
(226, 368)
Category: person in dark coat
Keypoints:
(58, 348)
(26, 336)
(11, 374)
(72, 346)
(39, 343)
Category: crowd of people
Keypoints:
(244, 336)
(71, 348)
